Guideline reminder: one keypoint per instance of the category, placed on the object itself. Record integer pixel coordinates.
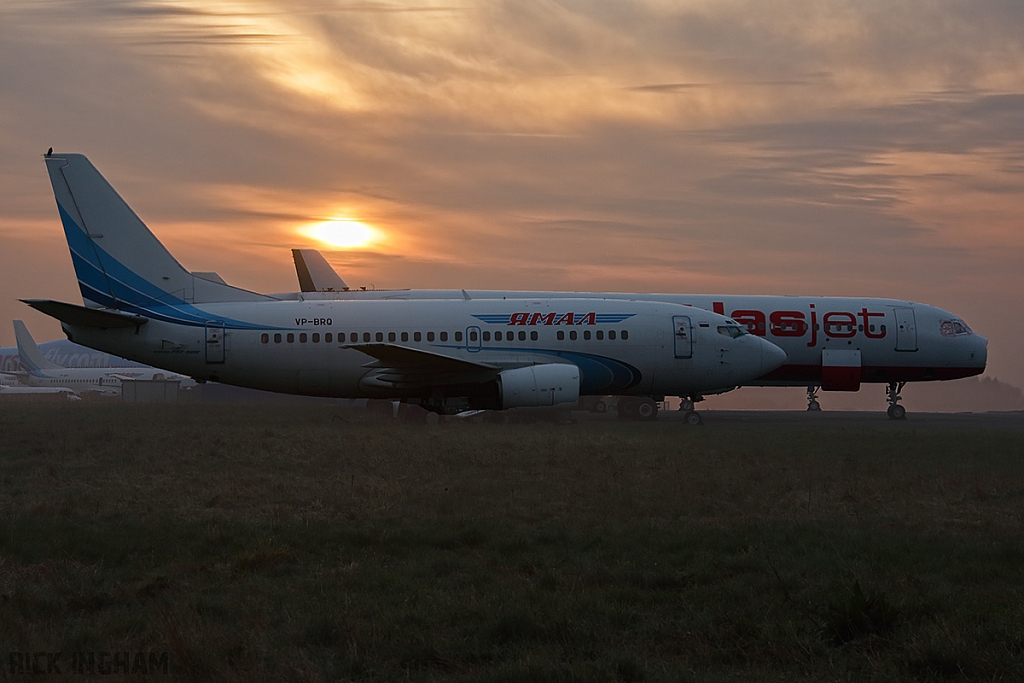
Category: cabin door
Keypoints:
(683, 336)
(906, 330)
(214, 341)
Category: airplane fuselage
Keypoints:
(897, 341)
(326, 347)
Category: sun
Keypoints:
(344, 233)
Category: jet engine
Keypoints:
(539, 385)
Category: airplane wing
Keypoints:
(395, 356)
(400, 366)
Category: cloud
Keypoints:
(794, 146)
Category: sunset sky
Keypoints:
(859, 148)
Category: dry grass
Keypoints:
(277, 543)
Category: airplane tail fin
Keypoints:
(31, 357)
(119, 262)
(315, 273)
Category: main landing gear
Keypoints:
(686, 405)
(643, 409)
(812, 399)
(895, 411)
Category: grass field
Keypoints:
(260, 543)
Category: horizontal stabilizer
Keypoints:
(81, 316)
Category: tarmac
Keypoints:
(1003, 421)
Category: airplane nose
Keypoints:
(979, 354)
(772, 357)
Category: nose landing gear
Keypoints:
(895, 411)
(686, 406)
(812, 399)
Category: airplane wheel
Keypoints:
(686, 405)
(600, 407)
(693, 418)
(647, 410)
(897, 412)
(813, 407)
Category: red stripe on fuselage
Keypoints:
(811, 374)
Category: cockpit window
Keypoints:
(733, 330)
(953, 328)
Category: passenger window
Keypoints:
(391, 336)
(417, 336)
(522, 335)
(430, 336)
(625, 335)
(497, 336)
(611, 334)
(586, 334)
(380, 336)
(561, 335)
(316, 338)
(277, 338)
(265, 338)
(533, 335)
(302, 338)
(405, 336)
(330, 337)
(472, 335)
(458, 336)
(600, 334)
(444, 336)
(572, 335)
(290, 338)
(366, 336)
(487, 336)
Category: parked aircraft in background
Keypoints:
(67, 354)
(11, 386)
(315, 273)
(21, 391)
(447, 355)
(40, 373)
(832, 343)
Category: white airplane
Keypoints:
(11, 386)
(41, 373)
(13, 391)
(448, 355)
(65, 353)
(831, 343)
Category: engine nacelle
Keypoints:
(539, 385)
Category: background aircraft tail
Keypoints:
(315, 273)
(31, 357)
(118, 261)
